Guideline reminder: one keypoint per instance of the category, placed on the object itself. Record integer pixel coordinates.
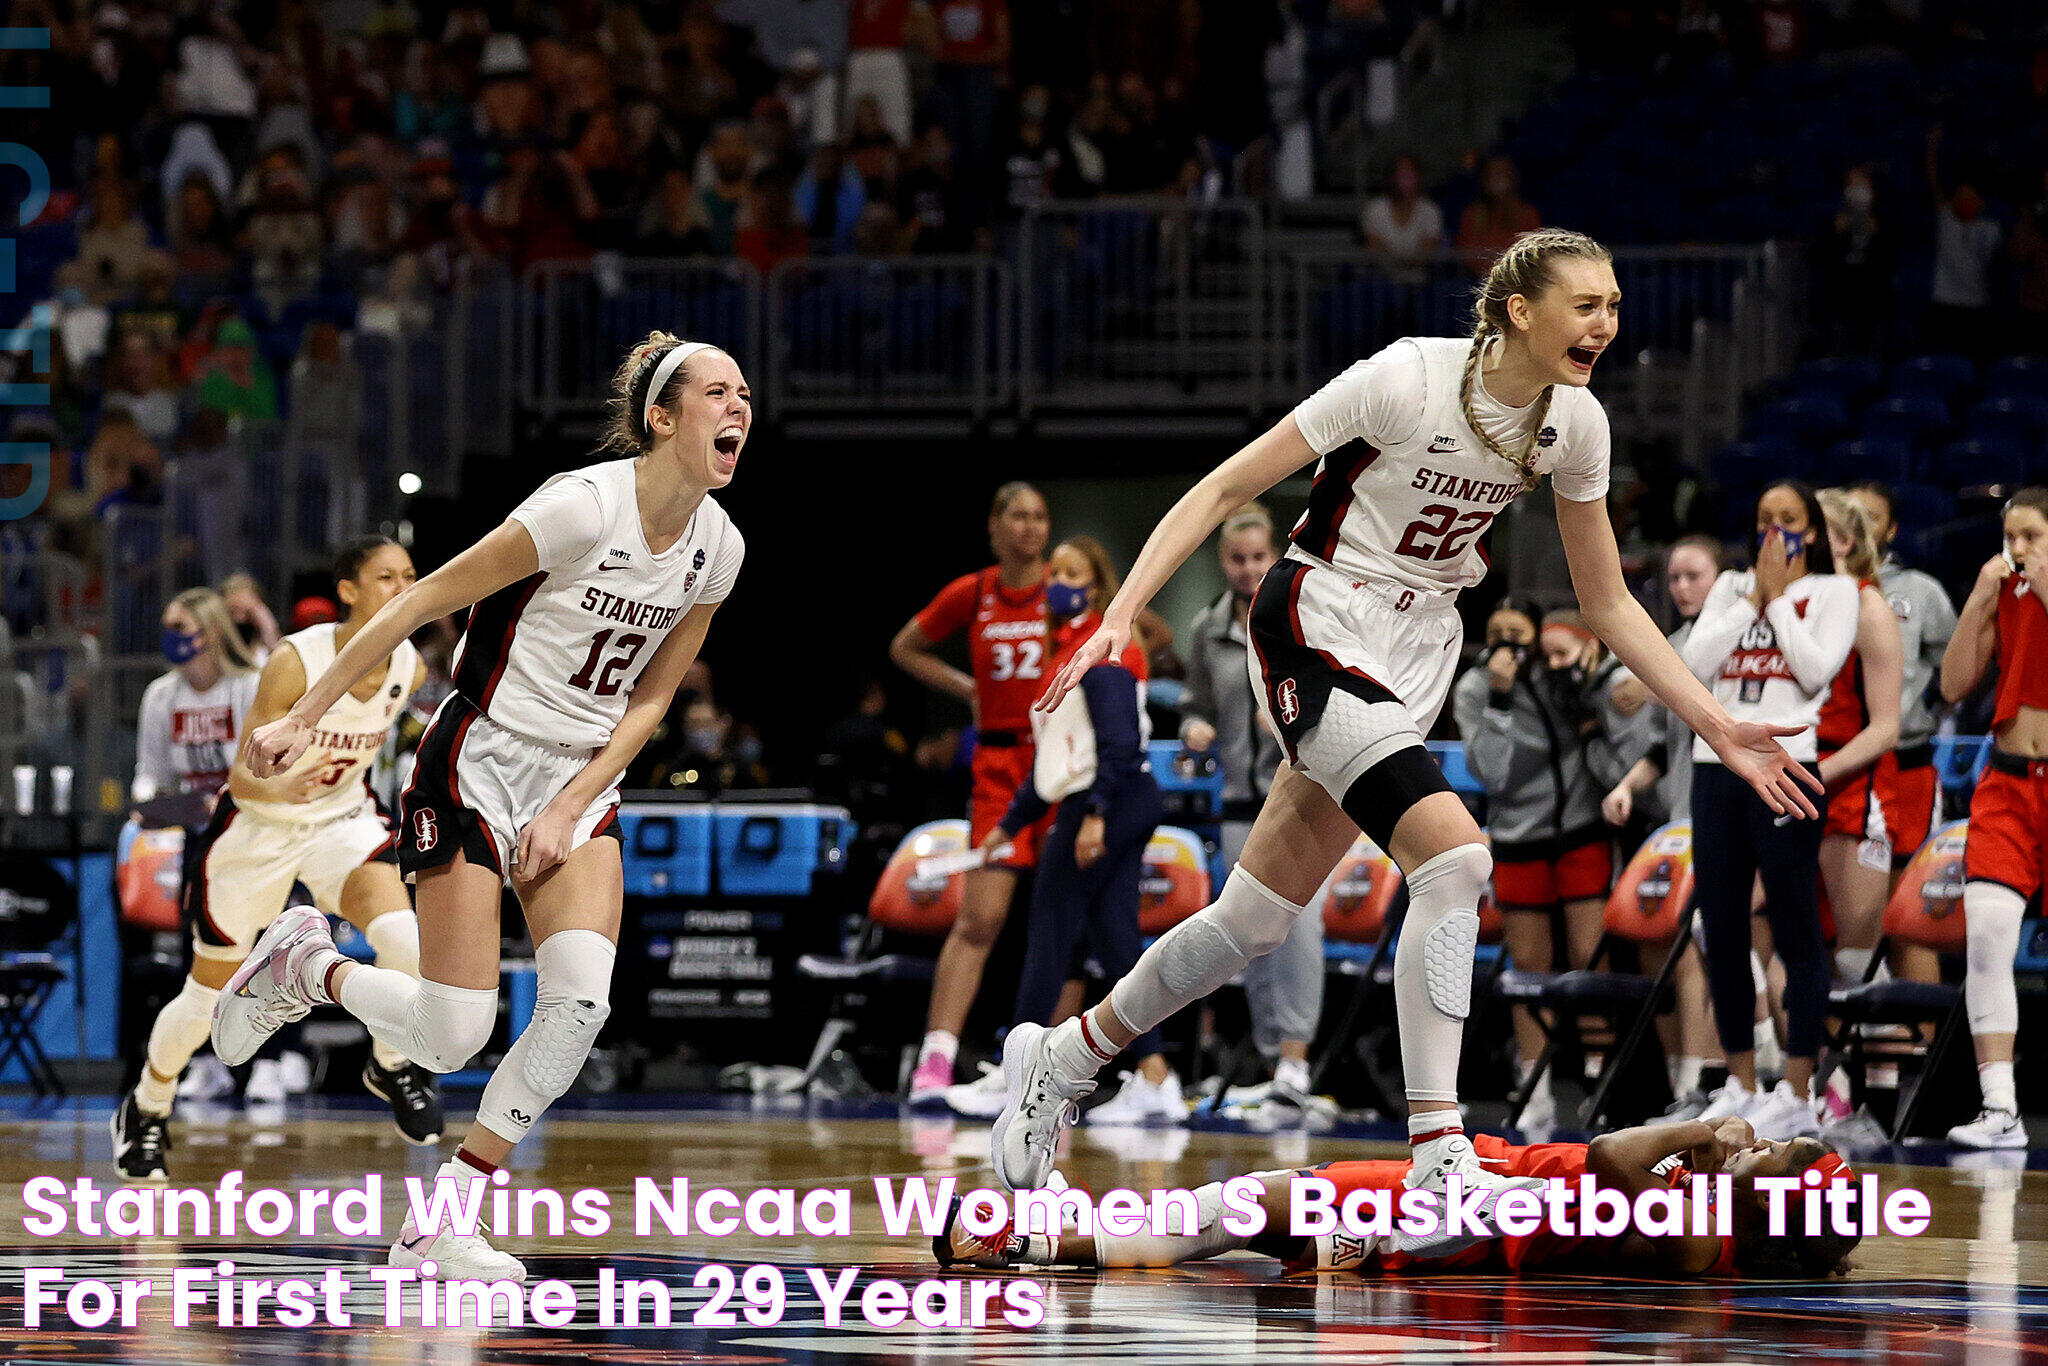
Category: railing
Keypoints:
(926, 332)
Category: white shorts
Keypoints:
(1348, 673)
(476, 785)
(245, 870)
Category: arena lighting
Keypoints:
(408, 483)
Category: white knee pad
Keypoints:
(573, 1003)
(1204, 952)
(395, 937)
(1441, 931)
(1992, 913)
(449, 1026)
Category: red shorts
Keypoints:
(1857, 806)
(998, 772)
(1539, 884)
(1912, 800)
(2009, 828)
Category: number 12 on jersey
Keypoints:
(612, 674)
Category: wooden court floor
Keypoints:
(1973, 1289)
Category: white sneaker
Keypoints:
(1143, 1102)
(1731, 1100)
(266, 1083)
(981, 1098)
(1990, 1129)
(1037, 1104)
(296, 1071)
(1783, 1114)
(456, 1256)
(1434, 1164)
(265, 994)
(206, 1079)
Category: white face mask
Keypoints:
(1857, 197)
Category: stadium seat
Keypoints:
(1982, 460)
(1925, 909)
(2017, 377)
(1849, 380)
(1808, 421)
(2015, 417)
(1944, 375)
(1866, 458)
(1911, 418)
(1651, 904)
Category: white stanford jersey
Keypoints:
(554, 657)
(1405, 488)
(347, 739)
(185, 740)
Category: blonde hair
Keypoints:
(1524, 269)
(1846, 517)
(211, 612)
(626, 429)
(1250, 517)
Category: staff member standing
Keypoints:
(1219, 712)
(1002, 609)
(1769, 643)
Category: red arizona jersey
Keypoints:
(1844, 715)
(1006, 643)
(2022, 652)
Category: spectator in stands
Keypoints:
(154, 311)
(1497, 217)
(285, 236)
(1966, 245)
(1856, 259)
(879, 234)
(595, 146)
(1031, 166)
(811, 95)
(730, 156)
(769, 230)
(326, 423)
(507, 105)
(722, 755)
(878, 32)
(830, 197)
(234, 379)
(201, 241)
(773, 135)
(122, 465)
(1403, 227)
(1219, 715)
(1662, 779)
(542, 208)
(1544, 738)
(213, 473)
(139, 384)
(672, 222)
(364, 222)
(1152, 155)
(194, 153)
(873, 150)
(1773, 663)
(932, 203)
(254, 622)
(113, 248)
(442, 229)
(1095, 146)
(970, 54)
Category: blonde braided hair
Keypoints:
(1524, 269)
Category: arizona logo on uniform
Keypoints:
(1290, 706)
(426, 833)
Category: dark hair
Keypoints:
(1820, 556)
(1883, 492)
(1008, 494)
(1099, 564)
(2035, 497)
(625, 431)
(348, 561)
(1807, 1256)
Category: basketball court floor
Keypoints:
(1973, 1289)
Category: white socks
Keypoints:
(943, 1042)
(180, 1028)
(1994, 1079)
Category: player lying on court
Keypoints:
(1629, 1161)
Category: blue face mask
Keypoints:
(179, 647)
(1795, 542)
(1065, 600)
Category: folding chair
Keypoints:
(1651, 902)
(37, 906)
(903, 902)
(1926, 908)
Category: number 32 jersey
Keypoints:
(347, 739)
(555, 657)
(1006, 644)
(1405, 488)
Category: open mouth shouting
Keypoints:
(1581, 358)
(727, 444)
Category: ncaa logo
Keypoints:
(1290, 704)
(426, 832)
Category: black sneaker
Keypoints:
(415, 1103)
(140, 1142)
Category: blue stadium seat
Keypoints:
(1944, 375)
(1746, 466)
(1906, 417)
(1809, 421)
(1848, 379)
(2017, 377)
(1866, 458)
(1981, 460)
(2016, 417)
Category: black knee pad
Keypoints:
(1383, 793)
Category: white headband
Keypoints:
(662, 370)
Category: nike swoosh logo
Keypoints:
(1443, 450)
(609, 565)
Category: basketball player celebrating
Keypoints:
(2006, 620)
(315, 823)
(1002, 608)
(590, 603)
(1355, 637)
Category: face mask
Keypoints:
(179, 647)
(1857, 197)
(748, 751)
(1065, 600)
(1795, 542)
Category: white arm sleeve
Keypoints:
(565, 517)
(1817, 645)
(1379, 400)
(725, 566)
(1722, 621)
(153, 746)
(1582, 474)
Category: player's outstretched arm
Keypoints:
(282, 682)
(1750, 751)
(545, 840)
(504, 557)
(1271, 457)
